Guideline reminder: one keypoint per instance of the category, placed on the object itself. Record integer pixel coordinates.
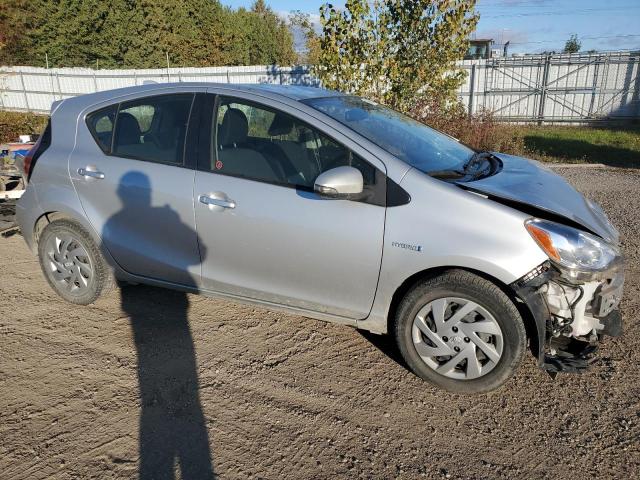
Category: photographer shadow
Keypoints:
(172, 427)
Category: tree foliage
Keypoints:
(573, 45)
(396, 52)
(140, 33)
(300, 23)
(256, 37)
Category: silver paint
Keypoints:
(332, 259)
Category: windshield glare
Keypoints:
(409, 140)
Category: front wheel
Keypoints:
(72, 263)
(460, 332)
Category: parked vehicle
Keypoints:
(329, 206)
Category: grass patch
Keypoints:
(613, 146)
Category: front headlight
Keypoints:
(571, 248)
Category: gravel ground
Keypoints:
(247, 393)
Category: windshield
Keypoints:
(411, 141)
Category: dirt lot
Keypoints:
(252, 394)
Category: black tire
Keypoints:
(464, 285)
(101, 281)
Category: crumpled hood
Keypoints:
(529, 182)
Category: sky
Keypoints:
(532, 25)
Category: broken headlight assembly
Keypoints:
(574, 296)
(579, 254)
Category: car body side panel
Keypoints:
(444, 226)
(143, 210)
(290, 246)
(50, 188)
(454, 228)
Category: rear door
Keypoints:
(137, 191)
(268, 235)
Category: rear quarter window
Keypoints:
(100, 124)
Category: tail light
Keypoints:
(38, 149)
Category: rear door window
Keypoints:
(153, 128)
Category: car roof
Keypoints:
(293, 92)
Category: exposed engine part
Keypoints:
(571, 316)
(570, 306)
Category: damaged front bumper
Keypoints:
(572, 313)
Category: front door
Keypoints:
(267, 234)
(128, 171)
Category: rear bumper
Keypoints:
(571, 320)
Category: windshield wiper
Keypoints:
(447, 174)
(472, 167)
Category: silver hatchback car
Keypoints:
(328, 206)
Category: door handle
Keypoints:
(217, 202)
(90, 173)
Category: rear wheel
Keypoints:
(72, 263)
(460, 332)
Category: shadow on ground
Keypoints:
(387, 345)
(173, 430)
(172, 425)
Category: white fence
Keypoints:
(544, 88)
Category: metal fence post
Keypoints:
(636, 91)
(2, 92)
(543, 89)
(472, 88)
(24, 91)
(594, 87)
(95, 81)
(59, 86)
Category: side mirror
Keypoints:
(339, 182)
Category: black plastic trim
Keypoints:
(44, 142)
(192, 138)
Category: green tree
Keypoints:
(14, 25)
(257, 36)
(140, 33)
(573, 45)
(398, 52)
(300, 22)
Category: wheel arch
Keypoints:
(45, 219)
(524, 310)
